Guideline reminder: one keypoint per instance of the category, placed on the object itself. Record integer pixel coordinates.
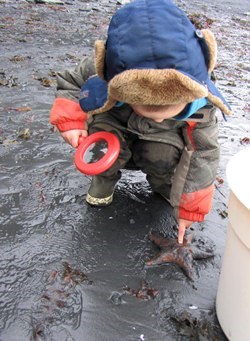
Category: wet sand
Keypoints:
(45, 223)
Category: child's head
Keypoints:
(158, 113)
(155, 56)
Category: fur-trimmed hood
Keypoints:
(153, 55)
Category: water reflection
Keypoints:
(96, 151)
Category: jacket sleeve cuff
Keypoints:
(71, 125)
(195, 205)
(192, 216)
(67, 114)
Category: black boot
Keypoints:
(101, 190)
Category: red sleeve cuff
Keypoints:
(71, 125)
(195, 205)
(192, 216)
(67, 114)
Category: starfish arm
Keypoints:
(199, 254)
(185, 261)
(159, 259)
(160, 241)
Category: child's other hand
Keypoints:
(72, 136)
(183, 225)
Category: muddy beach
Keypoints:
(72, 272)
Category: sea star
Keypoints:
(173, 252)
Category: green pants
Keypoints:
(155, 158)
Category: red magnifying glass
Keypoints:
(97, 152)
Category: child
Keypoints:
(150, 87)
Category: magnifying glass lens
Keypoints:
(95, 151)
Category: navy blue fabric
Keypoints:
(212, 88)
(93, 94)
(161, 37)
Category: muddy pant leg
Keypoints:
(158, 161)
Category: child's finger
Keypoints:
(74, 141)
(181, 233)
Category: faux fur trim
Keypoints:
(99, 57)
(155, 86)
(219, 104)
(110, 103)
(158, 87)
(212, 46)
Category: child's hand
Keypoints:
(72, 136)
(183, 225)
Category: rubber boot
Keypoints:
(101, 190)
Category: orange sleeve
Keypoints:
(194, 206)
(67, 115)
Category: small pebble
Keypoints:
(193, 307)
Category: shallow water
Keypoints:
(44, 221)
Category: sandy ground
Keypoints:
(63, 265)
